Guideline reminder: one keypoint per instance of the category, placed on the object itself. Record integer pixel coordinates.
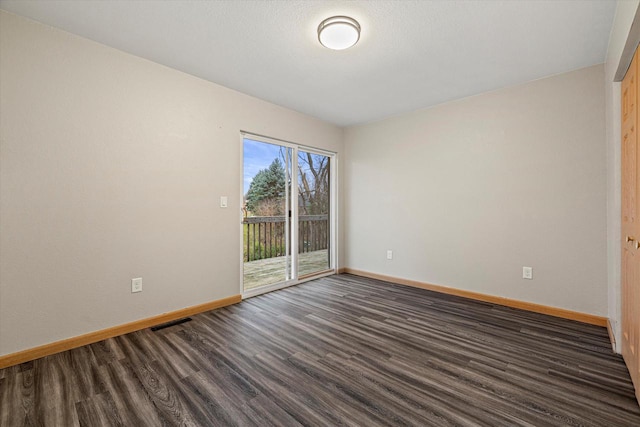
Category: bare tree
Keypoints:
(313, 183)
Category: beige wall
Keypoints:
(625, 12)
(469, 192)
(112, 168)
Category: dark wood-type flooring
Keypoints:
(341, 350)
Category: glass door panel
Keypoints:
(314, 226)
(266, 224)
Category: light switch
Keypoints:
(223, 201)
(136, 285)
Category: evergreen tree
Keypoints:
(266, 191)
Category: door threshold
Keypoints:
(317, 274)
(276, 287)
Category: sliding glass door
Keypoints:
(266, 223)
(286, 217)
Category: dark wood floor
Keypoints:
(340, 350)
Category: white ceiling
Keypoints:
(411, 54)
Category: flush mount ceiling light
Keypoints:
(339, 32)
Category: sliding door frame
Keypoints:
(292, 274)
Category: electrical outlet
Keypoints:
(389, 254)
(527, 273)
(136, 285)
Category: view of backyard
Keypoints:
(269, 184)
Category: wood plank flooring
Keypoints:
(340, 350)
(273, 270)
